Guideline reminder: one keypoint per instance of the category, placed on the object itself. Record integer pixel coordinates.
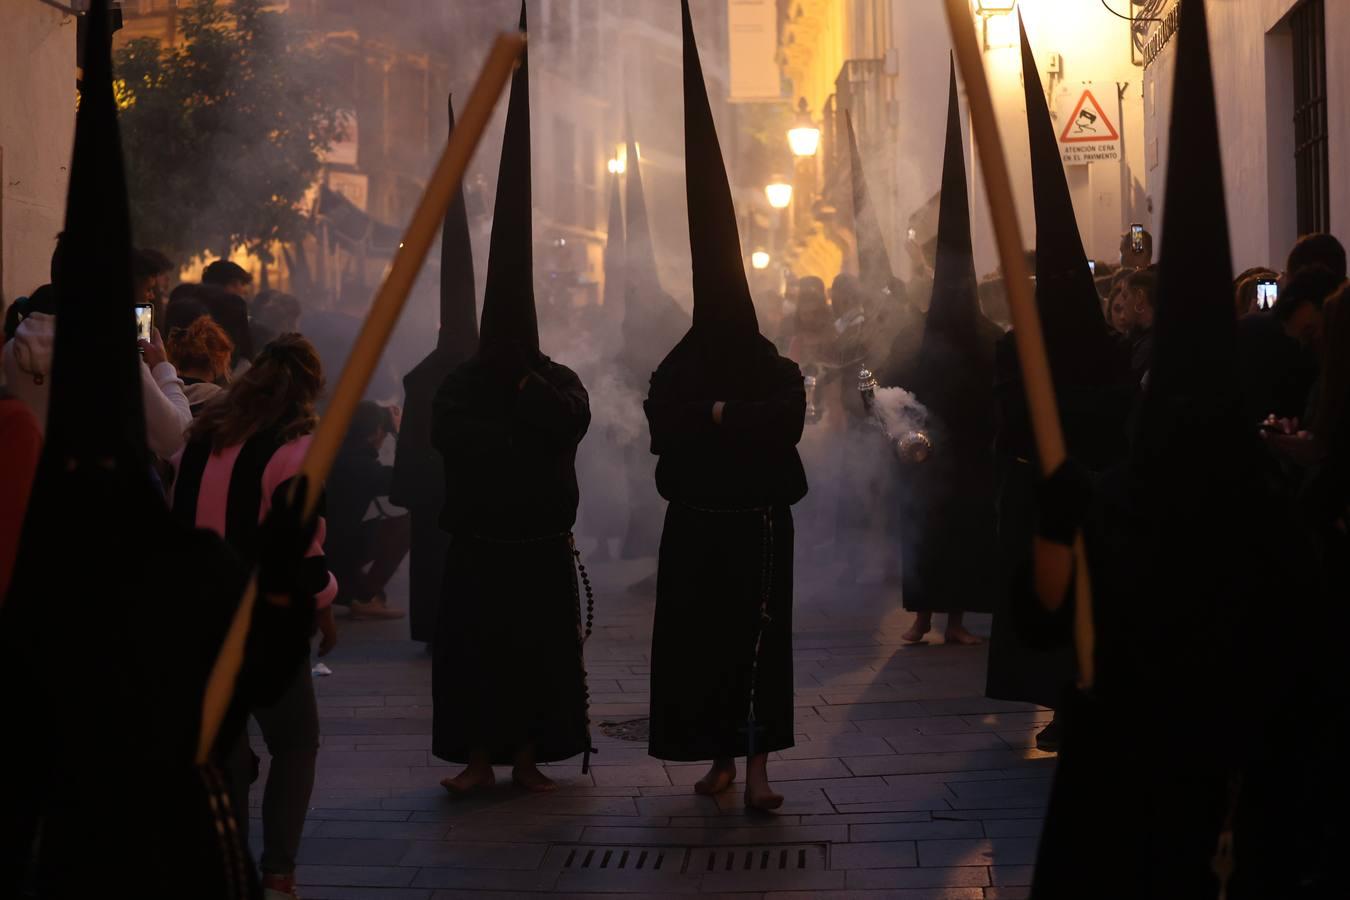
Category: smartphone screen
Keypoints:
(1137, 238)
(1092, 266)
(145, 320)
(1267, 291)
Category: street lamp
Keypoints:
(804, 136)
(998, 26)
(759, 259)
(779, 193)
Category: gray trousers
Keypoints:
(290, 729)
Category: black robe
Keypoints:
(419, 487)
(723, 625)
(948, 522)
(507, 668)
(662, 326)
(1186, 561)
(103, 666)
(1094, 420)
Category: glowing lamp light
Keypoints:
(759, 259)
(1000, 32)
(616, 166)
(779, 194)
(999, 29)
(804, 136)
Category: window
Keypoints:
(1308, 23)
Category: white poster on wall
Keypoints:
(752, 27)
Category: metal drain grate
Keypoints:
(771, 858)
(636, 859)
(585, 867)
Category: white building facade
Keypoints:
(1284, 119)
(37, 128)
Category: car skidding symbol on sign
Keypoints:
(1088, 123)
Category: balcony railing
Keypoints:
(859, 91)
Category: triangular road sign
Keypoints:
(1088, 123)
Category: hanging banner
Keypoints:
(1087, 133)
(752, 30)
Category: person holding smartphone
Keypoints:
(28, 368)
(1255, 290)
(1136, 248)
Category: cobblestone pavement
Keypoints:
(905, 781)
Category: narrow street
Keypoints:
(905, 781)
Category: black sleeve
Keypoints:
(675, 421)
(776, 420)
(462, 431)
(554, 411)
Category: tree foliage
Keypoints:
(223, 132)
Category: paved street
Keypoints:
(905, 782)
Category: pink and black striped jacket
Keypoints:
(230, 493)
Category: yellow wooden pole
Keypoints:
(1026, 320)
(365, 356)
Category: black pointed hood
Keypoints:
(616, 257)
(458, 335)
(1076, 337)
(874, 263)
(95, 410)
(652, 320)
(508, 295)
(954, 308)
(723, 308)
(418, 479)
(642, 271)
(1195, 323)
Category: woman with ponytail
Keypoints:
(243, 450)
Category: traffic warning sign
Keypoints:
(1087, 134)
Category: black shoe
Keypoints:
(1047, 739)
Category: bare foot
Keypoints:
(720, 777)
(923, 623)
(762, 797)
(474, 776)
(957, 634)
(532, 780)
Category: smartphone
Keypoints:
(1267, 292)
(145, 320)
(1137, 238)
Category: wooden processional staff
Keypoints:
(365, 355)
(1022, 304)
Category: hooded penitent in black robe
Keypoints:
(1092, 387)
(949, 514)
(507, 670)
(604, 512)
(870, 500)
(1184, 732)
(419, 478)
(652, 323)
(721, 683)
(115, 614)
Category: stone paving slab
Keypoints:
(912, 783)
